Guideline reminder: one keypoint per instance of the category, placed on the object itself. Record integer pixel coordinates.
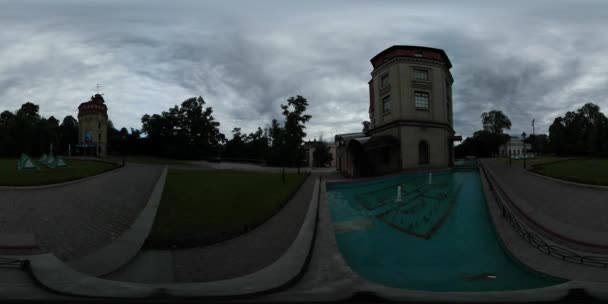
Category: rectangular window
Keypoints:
(384, 80)
(421, 74)
(386, 104)
(422, 100)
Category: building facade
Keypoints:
(515, 147)
(93, 127)
(411, 115)
(309, 150)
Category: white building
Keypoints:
(514, 147)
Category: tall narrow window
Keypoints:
(384, 80)
(422, 100)
(423, 152)
(421, 74)
(386, 104)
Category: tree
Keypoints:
(321, 155)
(52, 133)
(495, 122)
(25, 129)
(68, 132)
(295, 121)
(188, 131)
(539, 143)
(579, 133)
(366, 125)
(7, 141)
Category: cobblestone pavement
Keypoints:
(573, 211)
(249, 252)
(77, 219)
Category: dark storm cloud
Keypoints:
(530, 60)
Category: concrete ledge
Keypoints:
(49, 271)
(126, 247)
(20, 241)
(597, 187)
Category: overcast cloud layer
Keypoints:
(529, 59)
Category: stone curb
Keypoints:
(124, 248)
(55, 185)
(597, 187)
(54, 275)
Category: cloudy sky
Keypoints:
(530, 59)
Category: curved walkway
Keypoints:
(233, 258)
(74, 220)
(578, 215)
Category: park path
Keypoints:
(574, 212)
(77, 219)
(249, 252)
(232, 258)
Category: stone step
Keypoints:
(18, 241)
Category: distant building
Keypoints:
(309, 149)
(92, 127)
(410, 112)
(514, 147)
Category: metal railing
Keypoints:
(534, 239)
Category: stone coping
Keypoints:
(126, 247)
(19, 241)
(61, 184)
(54, 275)
(597, 187)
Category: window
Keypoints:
(99, 136)
(386, 104)
(421, 74)
(422, 100)
(423, 152)
(384, 80)
(99, 125)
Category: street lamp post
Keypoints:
(523, 137)
(509, 149)
(283, 162)
(123, 149)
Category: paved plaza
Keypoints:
(79, 218)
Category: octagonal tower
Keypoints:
(93, 126)
(411, 102)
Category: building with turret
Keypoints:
(411, 115)
(93, 127)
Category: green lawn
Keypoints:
(76, 169)
(150, 160)
(586, 171)
(205, 207)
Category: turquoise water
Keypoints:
(438, 238)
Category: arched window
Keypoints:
(423, 152)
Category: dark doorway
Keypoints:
(423, 152)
